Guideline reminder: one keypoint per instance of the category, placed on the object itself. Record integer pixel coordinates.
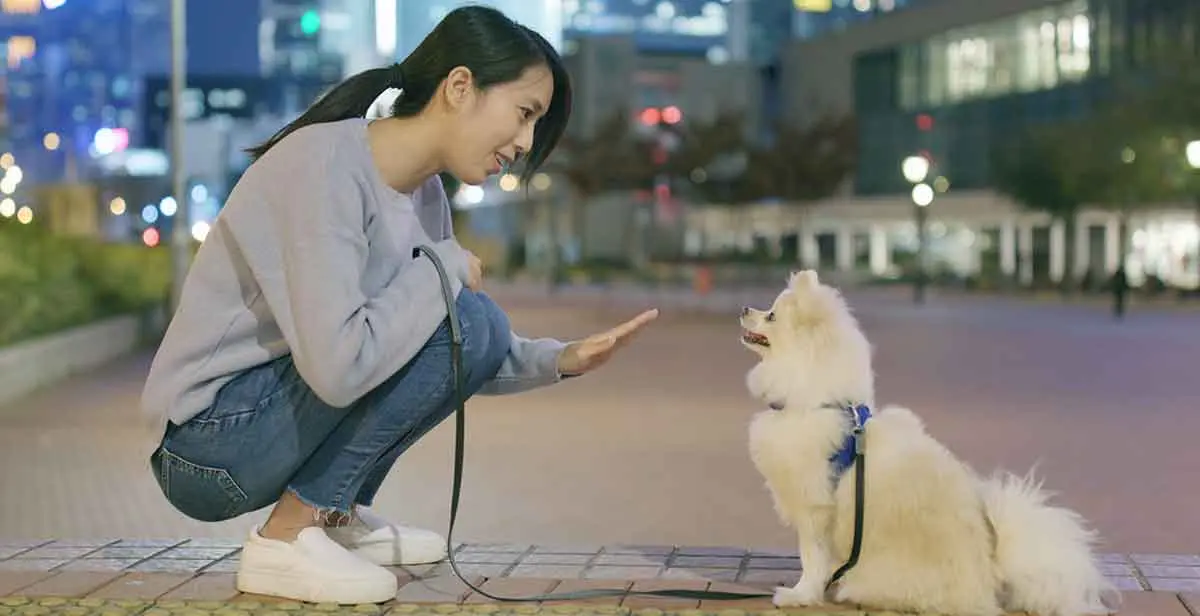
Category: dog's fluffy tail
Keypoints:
(1043, 552)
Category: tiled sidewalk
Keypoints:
(125, 577)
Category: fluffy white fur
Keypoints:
(937, 537)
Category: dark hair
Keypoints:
(495, 49)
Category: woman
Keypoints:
(311, 347)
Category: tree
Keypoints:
(1161, 105)
(803, 165)
(1150, 114)
(711, 158)
(1036, 170)
(1122, 161)
(611, 158)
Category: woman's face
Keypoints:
(491, 129)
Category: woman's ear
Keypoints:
(459, 88)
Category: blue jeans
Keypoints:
(267, 432)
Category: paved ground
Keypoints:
(195, 578)
(652, 449)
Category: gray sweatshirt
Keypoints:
(312, 256)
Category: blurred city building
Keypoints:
(85, 86)
(950, 80)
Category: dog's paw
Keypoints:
(788, 596)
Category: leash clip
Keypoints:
(861, 413)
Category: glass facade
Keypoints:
(1031, 51)
(954, 96)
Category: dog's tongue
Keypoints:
(750, 336)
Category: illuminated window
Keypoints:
(21, 7)
(813, 6)
(20, 48)
(1074, 46)
(1033, 51)
(968, 63)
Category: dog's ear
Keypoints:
(803, 280)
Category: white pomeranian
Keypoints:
(936, 537)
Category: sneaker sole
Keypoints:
(299, 588)
(382, 554)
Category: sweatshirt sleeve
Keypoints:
(531, 363)
(344, 343)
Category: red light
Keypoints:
(150, 237)
(650, 116)
(672, 115)
(662, 192)
(924, 122)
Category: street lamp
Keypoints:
(916, 170)
(922, 195)
(1192, 152)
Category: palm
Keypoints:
(592, 352)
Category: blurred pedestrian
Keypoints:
(1120, 292)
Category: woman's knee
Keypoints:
(486, 331)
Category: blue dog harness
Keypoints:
(852, 444)
(843, 458)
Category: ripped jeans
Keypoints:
(267, 432)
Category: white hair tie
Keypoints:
(381, 107)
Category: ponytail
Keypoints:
(349, 99)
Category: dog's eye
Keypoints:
(770, 316)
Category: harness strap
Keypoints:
(851, 453)
(456, 489)
(844, 457)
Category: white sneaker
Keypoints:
(312, 568)
(383, 543)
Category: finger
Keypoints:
(628, 330)
(598, 344)
(634, 324)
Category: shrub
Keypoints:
(50, 283)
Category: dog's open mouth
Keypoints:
(755, 338)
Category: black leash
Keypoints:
(460, 421)
(860, 477)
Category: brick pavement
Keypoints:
(1095, 399)
(196, 577)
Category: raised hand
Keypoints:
(582, 356)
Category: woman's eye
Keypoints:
(526, 113)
